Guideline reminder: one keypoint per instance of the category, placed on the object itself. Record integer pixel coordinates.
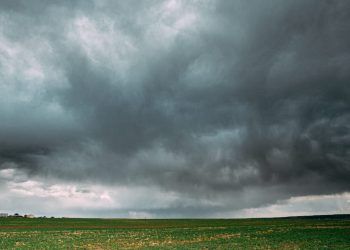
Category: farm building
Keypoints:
(2, 215)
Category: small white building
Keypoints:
(3, 215)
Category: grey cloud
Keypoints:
(205, 98)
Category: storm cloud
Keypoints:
(222, 105)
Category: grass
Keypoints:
(327, 232)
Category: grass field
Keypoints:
(321, 232)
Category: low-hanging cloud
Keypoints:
(237, 103)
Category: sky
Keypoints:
(174, 108)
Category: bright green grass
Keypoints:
(288, 233)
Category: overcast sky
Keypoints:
(193, 108)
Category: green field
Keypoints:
(328, 232)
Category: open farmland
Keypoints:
(322, 232)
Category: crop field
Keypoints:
(321, 232)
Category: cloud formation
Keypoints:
(226, 105)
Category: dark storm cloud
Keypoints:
(206, 98)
